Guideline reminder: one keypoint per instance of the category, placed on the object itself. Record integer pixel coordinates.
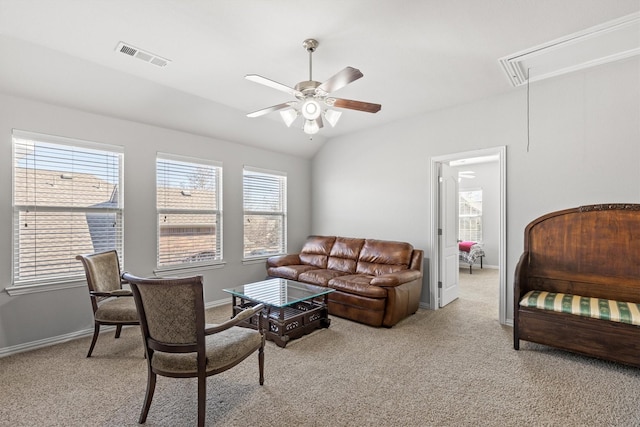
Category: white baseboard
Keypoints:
(33, 345)
(46, 342)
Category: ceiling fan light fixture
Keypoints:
(332, 117)
(311, 127)
(289, 116)
(311, 109)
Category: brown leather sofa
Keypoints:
(376, 282)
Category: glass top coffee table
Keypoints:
(292, 309)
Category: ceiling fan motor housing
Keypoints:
(307, 88)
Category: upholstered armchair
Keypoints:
(179, 344)
(111, 304)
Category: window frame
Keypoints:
(217, 210)
(480, 215)
(53, 281)
(280, 213)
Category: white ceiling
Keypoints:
(416, 56)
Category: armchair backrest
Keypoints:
(102, 270)
(171, 311)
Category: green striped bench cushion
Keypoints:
(598, 308)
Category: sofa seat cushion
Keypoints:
(597, 308)
(291, 272)
(358, 284)
(320, 277)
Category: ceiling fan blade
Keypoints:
(272, 84)
(339, 80)
(367, 107)
(270, 109)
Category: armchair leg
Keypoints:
(202, 399)
(96, 332)
(118, 330)
(151, 386)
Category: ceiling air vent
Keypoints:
(151, 58)
(608, 42)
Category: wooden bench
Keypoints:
(577, 284)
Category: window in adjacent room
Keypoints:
(265, 212)
(471, 215)
(67, 200)
(189, 206)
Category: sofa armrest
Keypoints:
(397, 278)
(280, 260)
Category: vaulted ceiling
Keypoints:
(416, 56)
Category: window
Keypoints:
(188, 200)
(67, 200)
(265, 212)
(471, 215)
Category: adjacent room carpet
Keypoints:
(451, 367)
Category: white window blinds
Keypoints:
(67, 200)
(189, 211)
(265, 212)
(470, 215)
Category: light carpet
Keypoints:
(451, 367)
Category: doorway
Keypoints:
(434, 263)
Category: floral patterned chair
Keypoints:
(111, 304)
(179, 344)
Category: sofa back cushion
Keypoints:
(379, 257)
(316, 250)
(344, 254)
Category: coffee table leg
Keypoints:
(233, 305)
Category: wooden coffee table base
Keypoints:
(287, 323)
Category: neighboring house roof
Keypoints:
(56, 188)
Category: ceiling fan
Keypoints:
(313, 100)
(467, 174)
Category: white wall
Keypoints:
(30, 318)
(584, 149)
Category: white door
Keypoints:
(448, 275)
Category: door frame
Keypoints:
(434, 260)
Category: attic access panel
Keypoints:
(607, 42)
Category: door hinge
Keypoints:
(439, 231)
(439, 285)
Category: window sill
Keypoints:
(258, 260)
(189, 269)
(44, 287)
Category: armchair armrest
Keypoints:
(116, 293)
(243, 315)
(280, 260)
(396, 279)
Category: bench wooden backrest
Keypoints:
(591, 251)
